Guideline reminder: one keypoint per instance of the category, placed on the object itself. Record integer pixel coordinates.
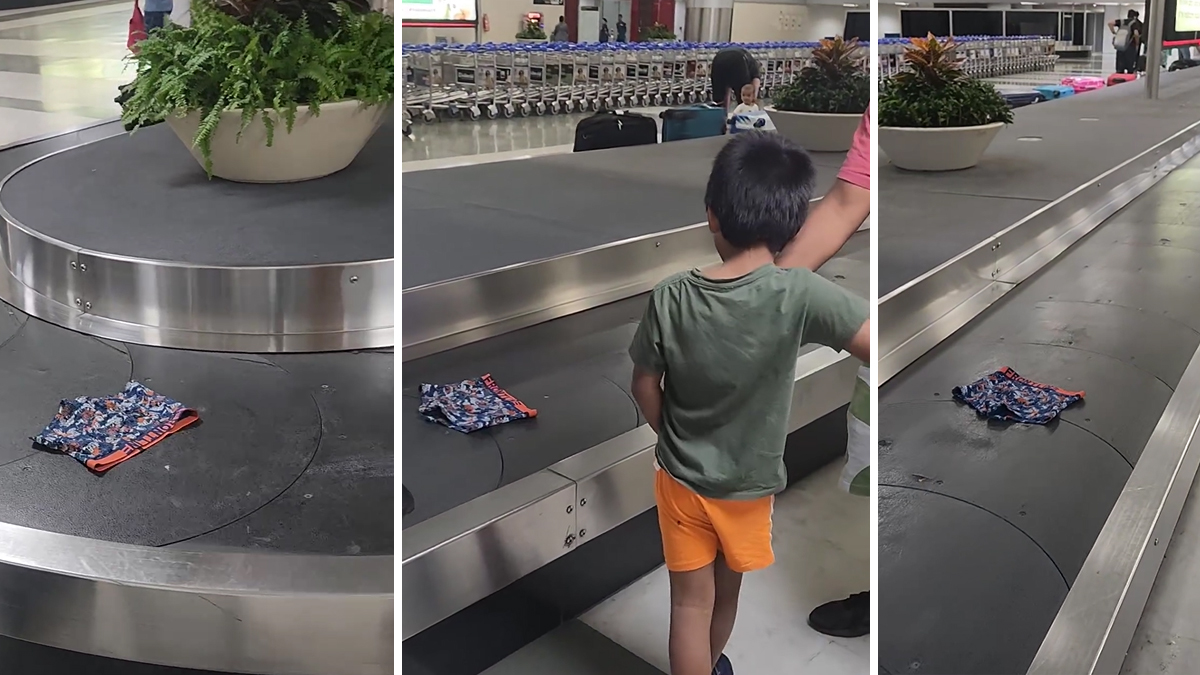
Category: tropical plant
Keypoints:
(531, 30)
(835, 82)
(933, 91)
(658, 31)
(264, 58)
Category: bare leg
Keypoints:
(692, 597)
(728, 585)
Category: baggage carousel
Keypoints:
(536, 271)
(1006, 549)
(261, 539)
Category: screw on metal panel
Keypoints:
(354, 280)
(74, 265)
(78, 302)
(82, 267)
(570, 509)
(995, 246)
(570, 540)
(87, 305)
(657, 244)
(1156, 541)
(582, 534)
(583, 502)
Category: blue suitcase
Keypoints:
(694, 121)
(1053, 91)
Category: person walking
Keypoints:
(828, 227)
(1127, 40)
(561, 32)
(622, 29)
(605, 34)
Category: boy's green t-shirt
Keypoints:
(728, 351)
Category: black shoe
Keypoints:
(723, 667)
(847, 618)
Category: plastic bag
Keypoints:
(856, 475)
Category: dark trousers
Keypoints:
(154, 19)
(1127, 61)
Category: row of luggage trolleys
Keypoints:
(506, 80)
(982, 56)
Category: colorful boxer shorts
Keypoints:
(471, 405)
(103, 432)
(1005, 395)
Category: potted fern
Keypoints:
(932, 117)
(268, 91)
(821, 107)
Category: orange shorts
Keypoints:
(695, 528)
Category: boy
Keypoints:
(714, 362)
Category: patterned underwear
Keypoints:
(1005, 395)
(103, 432)
(471, 405)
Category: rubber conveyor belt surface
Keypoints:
(984, 526)
(294, 452)
(473, 219)
(575, 371)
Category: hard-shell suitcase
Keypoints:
(694, 121)
(1020, 99)
(1083, 84)
(1053, 91)
(615, 130)
(1118, 78)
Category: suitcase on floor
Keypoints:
(1141, 64)
(1053, 91)
(1183, 64)
(1083, 83)
(1118, 78)
(1020, 99)
(615, 130)
(694, 121)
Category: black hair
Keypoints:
(759, 190)
(1133, 14)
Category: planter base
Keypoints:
(817, 132)
(948, 149)
(318, 145)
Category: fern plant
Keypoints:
(531, 30)
(933, 92)
(658, 32)
(264, 58)
(836, 82)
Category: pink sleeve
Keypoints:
(856, 170)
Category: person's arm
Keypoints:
(832, 222)
(648, 394)
(1112, 26)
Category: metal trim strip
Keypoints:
(273, 613)
(1094, 628)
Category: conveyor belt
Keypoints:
(472, 219)
(983, 527)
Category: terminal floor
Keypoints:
(59, 69)
(822, 548)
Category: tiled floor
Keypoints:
(822, 548)
(59, 70)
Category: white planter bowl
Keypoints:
(318, 145)
(817, 132)
(947, 149)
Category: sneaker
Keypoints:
(847, 618)
(723, 667)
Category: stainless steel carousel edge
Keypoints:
(241, 612)
(461, 556)
(297, 308)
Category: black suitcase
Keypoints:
(615, 130)
(1141, 63)
(1183, 64)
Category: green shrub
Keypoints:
(531, 31)
(933, 92)
(835, 83)
(262, 55)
